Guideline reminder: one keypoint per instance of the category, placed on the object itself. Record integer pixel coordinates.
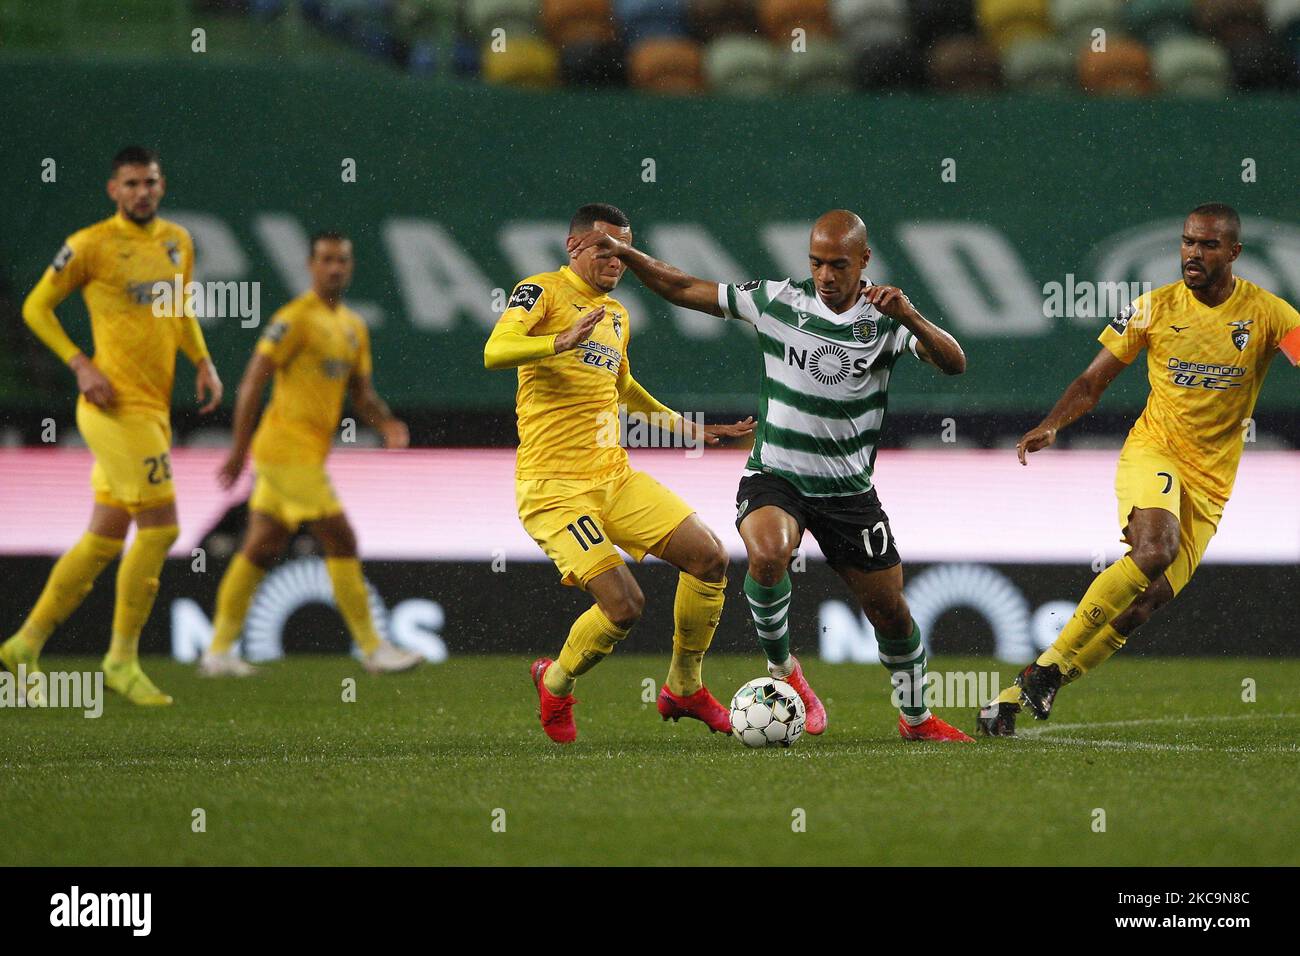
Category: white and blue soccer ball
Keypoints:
(767, 712)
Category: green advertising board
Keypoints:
(996, 215)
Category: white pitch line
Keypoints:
(1154, 721)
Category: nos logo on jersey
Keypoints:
(525, 296)
(826, 364)
(62, 258)
(1120, 322)
(1241, 333)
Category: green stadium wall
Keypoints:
(461, 190)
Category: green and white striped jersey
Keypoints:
(825, 383)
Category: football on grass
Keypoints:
(767, 712)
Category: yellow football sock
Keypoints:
(234, 594)
(590, 640)
(1097, 651)
(697, 609)
(1109, 595)
(353, 601)
(70, 580)
(137, 586)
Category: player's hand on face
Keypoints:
(395, 433)
(604, 244)
(1035, 440)
(230, 471)
(714, 434)
(208, 382)
(890, 300)
(93, 383)
(579, 330)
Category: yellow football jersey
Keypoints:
(316, 350)
(117, 265)
(1205, 366)
(567, 404)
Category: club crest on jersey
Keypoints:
(173, 252)
(1241, 333)
(525, 296)
(618, 325)
(865, 331)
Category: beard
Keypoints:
(1207, 277)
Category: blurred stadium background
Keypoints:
(998, 150)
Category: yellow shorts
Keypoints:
(1149, 478)
(293, 493)
(132, 449)
(577, 522)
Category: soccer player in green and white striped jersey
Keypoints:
(829, 345)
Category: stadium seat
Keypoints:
(666, 65)
(1074, 20)
(642, 19)
(429, 21)
(374, 36)
(1227, 20)
(1260, 61)
(465, 58)
(742, 65)
(593, 64)
(935, 19)
(779, 18)
(822, 68)
(513, 16)
(710, 19)
(1153, 20)
(526, 61)
(1124, 69)
(1191, 66)
(1006, 21)
(1284, 18)
(889, 66)
(1038, 65)
(578, 21)
(963, 64)
(863, 23)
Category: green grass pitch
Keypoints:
(414, 771)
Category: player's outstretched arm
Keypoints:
(375, 412)
(248, 404)
(1079, 398)
(667, 282)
